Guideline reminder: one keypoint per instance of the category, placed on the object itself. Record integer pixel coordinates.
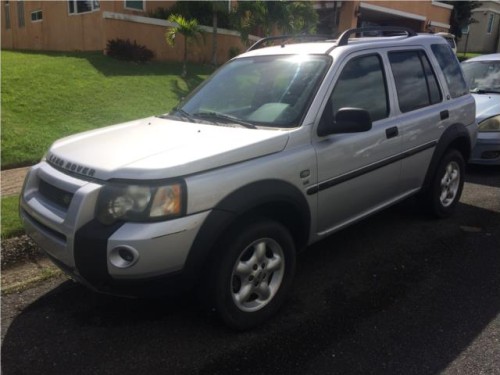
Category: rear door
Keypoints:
(421, 110)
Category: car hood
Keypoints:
(487, 105)
(157, 148)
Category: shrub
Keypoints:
(233, 52)
(125, 50)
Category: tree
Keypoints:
(461, 16)
(301, 18)
(189, 29)
(218, 8)
(264, 16)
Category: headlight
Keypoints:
(491, 124)
(140, 203)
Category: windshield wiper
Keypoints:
(484, 91)
(224, 117)
(179, 112)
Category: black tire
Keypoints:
(446, 186)
(252, 273)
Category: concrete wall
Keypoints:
(151, 33)
(57, 31)
(422, 16)
(61, 31)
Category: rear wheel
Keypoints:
(447, 184)
(253, 273)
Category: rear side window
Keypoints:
(451, 69)
(362, 85)
(416, 82)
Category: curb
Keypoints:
(24, 265)
(34, 268)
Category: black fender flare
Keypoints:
(455, 136)
(262, 198)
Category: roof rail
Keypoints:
(344, 38)
(307, 37)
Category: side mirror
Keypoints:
(347, 120)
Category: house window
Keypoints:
(491, 19)
(82, 6)
(6, 11)
(20, 13)
(134, 4)
(36, 16)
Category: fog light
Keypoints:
(123, 256)
(490, 155)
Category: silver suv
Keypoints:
(281, 147)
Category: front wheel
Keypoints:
(253, 272)
(447, 184)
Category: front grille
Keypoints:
(55, 195)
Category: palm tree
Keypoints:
(189, 29)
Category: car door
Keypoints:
(421, 112)
(358, 173)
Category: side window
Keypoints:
(132, 4)
(362, 85)
(451, 69)
(415, 80)
(20, 13)
(6, 11)
(82, 6)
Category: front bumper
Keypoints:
(87, 249)
(487, 149)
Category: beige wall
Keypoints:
(58, 31)
(153, 37)
(61, 31)
(478, 39)
(348, 16)
(118, 6)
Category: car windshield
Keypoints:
(482, 76)
(272, 91)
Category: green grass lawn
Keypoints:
(464, 56)
(46, 96)
(11, 223)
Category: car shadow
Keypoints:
(397, 293)
(483, 174)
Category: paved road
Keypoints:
(396, 294)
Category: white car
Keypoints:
(483, 77)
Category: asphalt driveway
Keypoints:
(396, 294)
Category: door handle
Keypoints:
(444, 114)
(392, 132)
